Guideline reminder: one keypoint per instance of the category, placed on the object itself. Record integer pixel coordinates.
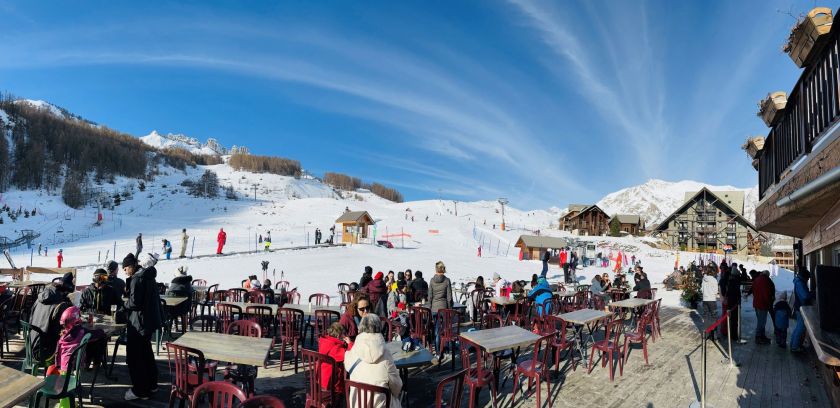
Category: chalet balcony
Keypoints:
(801, 153)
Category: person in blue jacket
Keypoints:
(803, 297)
(539, 294)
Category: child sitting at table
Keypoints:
(334, 344)
(71, 336)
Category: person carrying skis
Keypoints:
(185, 239)
(221, 239)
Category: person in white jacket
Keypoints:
(710, 295)
(499, 284)
(370, 363)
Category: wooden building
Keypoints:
(711, 222)
(799, 187)
(534, 246)
(629, 223)
(585, 219)
(354, 226)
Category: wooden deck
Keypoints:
(766, 376)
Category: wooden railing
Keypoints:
(812, 108)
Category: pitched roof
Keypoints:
(578, 207)
(664, 224)
(591, 207)
(733, 198)
(535, 241)
(353, 216)
(628, 218)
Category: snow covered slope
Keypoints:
(55, 110)
(656, 199)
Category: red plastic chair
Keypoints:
(188, 371)
(597, 302)
(477, 375)
(263, 316)
(609, 347)
(281, 285)
(255, 297)
(320, 395)
(535, 369)
(361, 395)
(394, 330)
(347, 296)
(519, 316)
(199, 282)
(644, 294)
(221, 394)
(262, 401)
(293, 297)
(322, 321)
(456, 383)
(639, 335)
(655, 320)
(561, 340)
(225, 313)
(320, 299)
(343, 287)
(290, 321)
(450, 331)
(237, 294)
(244, 374)
(421, 324)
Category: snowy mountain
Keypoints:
(190, 144)
(656, 199)
(55, 110)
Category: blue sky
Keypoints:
(542, 102)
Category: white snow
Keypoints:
(291, 209)
(657, 199)
(192, 145)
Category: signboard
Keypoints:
(727, 248)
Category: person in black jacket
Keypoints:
(46, 315)
(144, 317)
(115, 282)
(99, 296)
(181, 286)
(366, 277)
(733, 300)
(418, 287)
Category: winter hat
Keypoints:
(369, 270)
(378, 275)
(148, 260)
(129, 260)
(767, 273)
(70, 317)
(99, 275)
(783, 297)
(496, 276)
(112, 266)
(67, 281)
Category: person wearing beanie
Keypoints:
(116, 283)
(45, 315)
(99, 296)
(181, 286)
(539, 294)
(419, 288)
(144, 318)
(377, 290)
(781, 320)
(499, 284)
(367, 276)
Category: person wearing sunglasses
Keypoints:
(354, 312)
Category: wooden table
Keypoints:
(502, 301)
(632, 303)
(826, 344)
(501, 338)
(581, 318)
(172, 301)
(244, 305)
(20, 284)
(565, 294)
(408, 359)
(225, 347)
(105, 323)
(309, 310)
(16, 386)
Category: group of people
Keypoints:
(726, 282)
(166, 245)
(357, 340)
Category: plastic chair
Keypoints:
(262, 401)
(609, 346)
(224, 315)
(361, 395)
(639, 335)
(421, 324)
(281, 285)
(293, 297)
(477, 376)
(30, 363)
(476, 298)
(4, 335)
(221, 394)
(421, 296)
(450, 331)
(245, 374)
(68, 384)
(561, 340)
(322, 320)
(237, 294)
(319, 395)
(456, 381)
(264, 316)
(189, 364)
(394, 330)
(256, 297)
(290, 321)
(644, 294)
(199, 282)
(320, 299)
(535, 369)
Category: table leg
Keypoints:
(404, 377)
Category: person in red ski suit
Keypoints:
(60, 257)
(221, 239)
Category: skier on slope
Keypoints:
(60, 257)
(185, 239)
(221, 239)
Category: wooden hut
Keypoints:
(354, 226)
(534, 246)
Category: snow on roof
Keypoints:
(353, 216)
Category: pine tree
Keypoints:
(615, 227)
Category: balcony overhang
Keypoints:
(779, 214)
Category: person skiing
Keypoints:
(267, 241)
(60, 257)
(139, 241)
(479, 251)
(185, 239)
(39, 249)
(221, 239)
(167, 248)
